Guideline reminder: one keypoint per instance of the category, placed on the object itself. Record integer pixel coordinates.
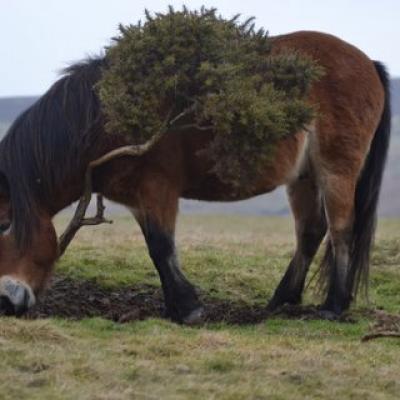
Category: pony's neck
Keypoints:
(47, 149)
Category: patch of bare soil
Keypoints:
(77, 299)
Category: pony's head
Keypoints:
(48, 145)
(24, 270)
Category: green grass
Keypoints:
(231, 258)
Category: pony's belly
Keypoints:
(286, 165)
(212, 189)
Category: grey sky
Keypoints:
(40, 37)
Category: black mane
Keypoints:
(48, 142)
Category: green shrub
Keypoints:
(196, 70)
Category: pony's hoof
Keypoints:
(328, 315)
(276, 304)
(273, 305)
(195, 318)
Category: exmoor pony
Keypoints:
(332, 171)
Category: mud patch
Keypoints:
(79, 299)
(76, 299)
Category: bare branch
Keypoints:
(194, 126)
(129, 150)
(99, 217)
(140, 149)
(377, 335)
(184, 113)
(79, 219)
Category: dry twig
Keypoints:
(79, 220)
(378, 335)
(386, 326)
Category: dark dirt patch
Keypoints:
(76, 299)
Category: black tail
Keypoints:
(367, 195)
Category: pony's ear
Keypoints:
(5, 205)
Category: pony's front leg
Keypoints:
(156, 216)
(181, 301)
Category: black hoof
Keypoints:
(333, 309)
(328, 315)
(195, 318)
(277, 303)
(273, 305)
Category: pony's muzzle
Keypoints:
(15, 297)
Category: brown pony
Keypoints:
(332, 170)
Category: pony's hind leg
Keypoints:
(352, 160)
(339, 196)
(310, 222)
(156, 216)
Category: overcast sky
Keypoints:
(40, 37)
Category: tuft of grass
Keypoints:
(32, 332)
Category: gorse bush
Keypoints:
(194, 70)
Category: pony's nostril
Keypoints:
(15, 298)
(6, 307)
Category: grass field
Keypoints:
(237, 262)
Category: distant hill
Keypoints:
(11, 107)
(274, 203)
(395, 89)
